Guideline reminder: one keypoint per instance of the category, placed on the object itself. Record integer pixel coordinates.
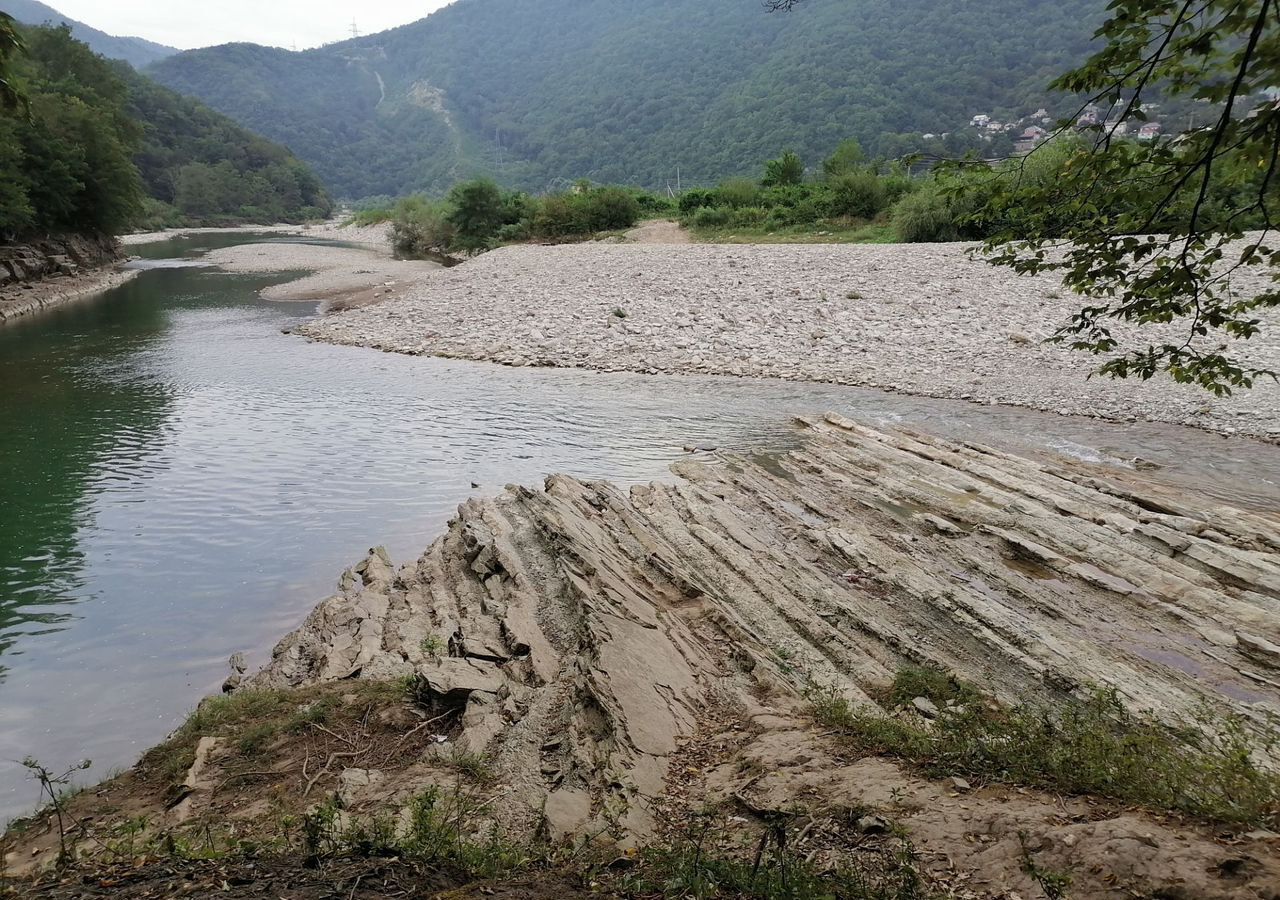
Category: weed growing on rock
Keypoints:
(473, 765)
(1091, 746)
(433, 646)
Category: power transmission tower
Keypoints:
(355, 29)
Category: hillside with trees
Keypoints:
(89, 145)
(537, 95)
(137, 52)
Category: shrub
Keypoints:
(421, 227)
(712, 217)
(896, 186)
(778, 218)
(925, 216)
(558, 215)
(847, 158)
(786, 169)
(476, 213)
(811, 209)
(586, 212)
(372, 216)
(738, 192)
(858, 194)
(609, 208)
(749, 216)
(695, 199)
(650, 203)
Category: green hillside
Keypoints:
(104, 149)
(542, 93)
(138, 52)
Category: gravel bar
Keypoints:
(921, 319)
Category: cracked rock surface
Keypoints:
(592, 642)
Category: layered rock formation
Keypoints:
(50, 271)
(620, 656)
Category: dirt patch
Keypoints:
(663, 231)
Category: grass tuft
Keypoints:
(690, 870)
(1092, 746)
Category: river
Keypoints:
(180, 480)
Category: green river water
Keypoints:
(179, 480)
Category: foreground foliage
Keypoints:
(1155, 233)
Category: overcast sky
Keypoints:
(282, 23)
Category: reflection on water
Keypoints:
(180, 481)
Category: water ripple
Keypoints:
(182, 481)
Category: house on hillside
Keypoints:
(1031, 137)
(1149, 131)
(980, 121)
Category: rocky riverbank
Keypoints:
(922, 319)
(731, 658)
(47, 273)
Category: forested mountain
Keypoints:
(539, 92)
(135, 51)
(102, 148)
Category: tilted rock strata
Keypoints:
(50, 272)
(586, 636)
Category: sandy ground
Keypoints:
(373, 235)
(922, 319)
(343, 277)
(659, 231)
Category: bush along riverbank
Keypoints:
(479, 215)
(848, 199)
(842, 671)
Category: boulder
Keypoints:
(450, 682)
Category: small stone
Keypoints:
(873, 825)
(925, 707)
(960, 784)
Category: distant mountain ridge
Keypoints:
(136, 51)
(541, 93)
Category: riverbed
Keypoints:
(182, 480)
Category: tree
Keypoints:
(786, 169)
(1156, 234)
(847, 158)
(477, 212)
(10, 45)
